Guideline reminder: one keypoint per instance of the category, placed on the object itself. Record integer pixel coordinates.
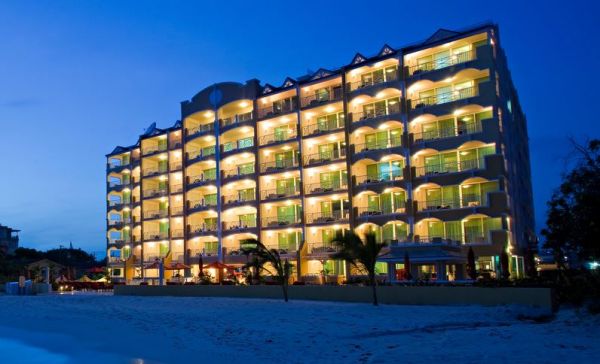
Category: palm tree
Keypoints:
(360, 254)
(262, 254)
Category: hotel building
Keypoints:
(424, 145)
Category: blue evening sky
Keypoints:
(79, 77)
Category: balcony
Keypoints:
(175, 143)
(154, 171)
(238, 173)
(157, 192)
(175, 166)
(239, 199)
(451, 167)
(154, 149)
(444, 133)
(331, 94)
(378, 145)
(176, 189)
(280, 221)
(467, 201)
(324, 157)
(326, 187)
(321, 249)
(201, 205)
(115, 165)
(201, 154)
(278, 166)
(202, 229)
(284, 250)
(281, 137)
(201, 179)
(156, 235)
(232, 122)
(229, 226)
(323, 127)
(366, 84)
(237, 147)
(379, 178)
(442, 63)
(287, 106)
(116, 223)
(327, 217)
(443, 98)
(177, 234)
(176, 210)
(200, 130)
(155, 214)
(280, 193)
(375, 114)
(371, 211)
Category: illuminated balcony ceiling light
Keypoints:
(246, 129)
(287, 147)
(329, 109)
(383, 126)
(209, 138)
(163, 199)
(162, 157)
(208, 114)
(163, 178)
(164, 136)
(336, 227)
(243, 104)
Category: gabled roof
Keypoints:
(358, 58)
(288, 82)
(321, 72)
(267, 89)
(385, 50)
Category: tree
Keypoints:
(504, 264)
(471, 269)
(362, 255)
(572, 224)
(261, 255)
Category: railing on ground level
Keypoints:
(445, 97)
(374, 113)
(280, 221)
(325, 187)
(389, 77)
(324, 156)
(451, 167)
(327, 217)
(442, 62)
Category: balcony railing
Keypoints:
(205, 252)
(176, 210)
(468, 200)
(202, 228)
(444, 98)
(280, 221)
(381, 210)
(239, 225)
(237, 119)
(325, 187)
(201, 129)
(211, 177)
(201, 203)
(379, 178)
(442, 62)
(201, 153)
(327, 217)
(155, 235)
(279, 109)
(238, 172)
(322, 248)
(155, 192)
(278, 137)
(284, 249)
(318, 128)
(116, 165)
(389, 77)
(154, 149)
(333, 94)
(375, 113)
(178, 233)
(379, 145)
(116, 203)
(280, 193)
(175, 166)
(177, 188)
(175, 143)
(279, 165)
(442, 133)
(156, 214)
(325, 156)
(451, 167)
(154, 171)
(239, 198)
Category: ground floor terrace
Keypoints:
(94, 329)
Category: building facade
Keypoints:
(9, 239)
(426, 146)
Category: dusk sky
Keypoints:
(79, 77)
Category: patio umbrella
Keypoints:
(220, 267)
(85, 279)
(101, 280)
(154, 265)
(407, 274)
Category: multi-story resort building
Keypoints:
(9, 239)
(426, 146)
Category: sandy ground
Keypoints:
(107, 329)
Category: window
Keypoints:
(330, 121)
(391, 170)
(210, 199)
(379, 108)
(288, 185)
(248, 220)
(333, 180)
(246, 168)
(289, 241)
(210, 150)
(229, 146)
(247, 194)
